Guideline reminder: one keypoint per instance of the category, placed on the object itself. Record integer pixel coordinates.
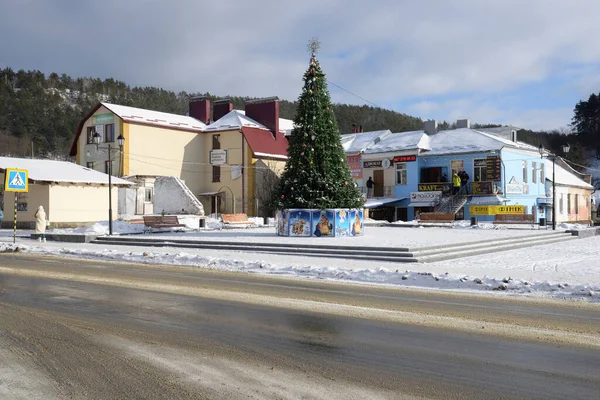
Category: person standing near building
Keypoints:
(40, 224)
(455, 183)
(370, 185)
(464, 180)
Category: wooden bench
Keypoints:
(436, 218)
(236, 219)
(513, 219)
(162, 221)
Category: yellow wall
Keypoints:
(37, 196)
(79, 203)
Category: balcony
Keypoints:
(378, 191)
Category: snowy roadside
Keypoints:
(563, 270)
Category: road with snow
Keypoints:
(88, 329)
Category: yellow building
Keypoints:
(71, 195)
(229, 164)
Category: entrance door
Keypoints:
(378, 179)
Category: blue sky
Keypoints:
(520, 62)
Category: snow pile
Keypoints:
(101, 228)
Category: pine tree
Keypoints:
(316, 174)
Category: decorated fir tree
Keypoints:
(316, 174)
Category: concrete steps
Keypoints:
(420, 254)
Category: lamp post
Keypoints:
(566, 149)
(120, 141)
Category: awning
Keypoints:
(424, 204)
(544, 200)
(382, 201)
(482, 200)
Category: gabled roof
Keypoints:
(144, 117)
(264, 145)
(48, 171)
(414, 140)
(149, 117)
(563, 176)
(236, 119)
(355, 143)
(466, 140)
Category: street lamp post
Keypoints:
(120, 141)
(566, 148)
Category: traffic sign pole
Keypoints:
(15, 226)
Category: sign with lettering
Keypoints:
(398, 159)
(482, 187)
(434, 187)
(354, 165)
(418, 197)
(493, 168)
(514, 188)
(103, 119)
(372, 164)
(493, 210)
(218, 157)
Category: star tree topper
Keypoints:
(313, 46)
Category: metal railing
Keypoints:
(377, 191)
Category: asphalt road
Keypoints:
(79, 329)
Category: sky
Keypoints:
(521, 62)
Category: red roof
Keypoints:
(264, 145)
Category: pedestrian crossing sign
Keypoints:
(16, 180)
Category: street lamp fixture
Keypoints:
(551, 156)
(121, 142)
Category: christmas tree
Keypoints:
(316, 174)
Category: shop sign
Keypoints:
(434, 187)
(482, 187)
(418, 197)
(103, 119)
(354, 165)
(398, 159)
(493, 210)
(372, 164)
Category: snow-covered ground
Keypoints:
(564, 270)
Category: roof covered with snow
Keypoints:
(413, 140)
(237, 119)
(58, 171)
(564, 177)
(149, 117)
(355, 143)
(264, 144)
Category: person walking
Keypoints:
(40, 224)
(370, 185)
(455, 183)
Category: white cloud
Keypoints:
(385, 51)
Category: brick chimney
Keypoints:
(222, 108)
(199, 108)
(265, 111)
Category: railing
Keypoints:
(378, 191)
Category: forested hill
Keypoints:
(41, 112)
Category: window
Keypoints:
(576, 204)
(90, 134)
(90, 165)
(109, 129)
(401, 174)
(216, 173)
(480, 170)
(456, 166)
(560, 204)
(568, 204)
(148, 195)
(216, 144)
(100, 131)
(542, 174)
(524, 171)
(533, 172)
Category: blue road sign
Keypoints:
(16, 180)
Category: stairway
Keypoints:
(366, 253)
(451, 204)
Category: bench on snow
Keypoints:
(436, 218)
(236, 219)
(162, 221)
(513, 219)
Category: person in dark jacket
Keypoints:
(464, 180)
(370, 185)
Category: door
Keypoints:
(378, 179)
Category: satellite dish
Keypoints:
(385, 163)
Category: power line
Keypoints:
(353, 94)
